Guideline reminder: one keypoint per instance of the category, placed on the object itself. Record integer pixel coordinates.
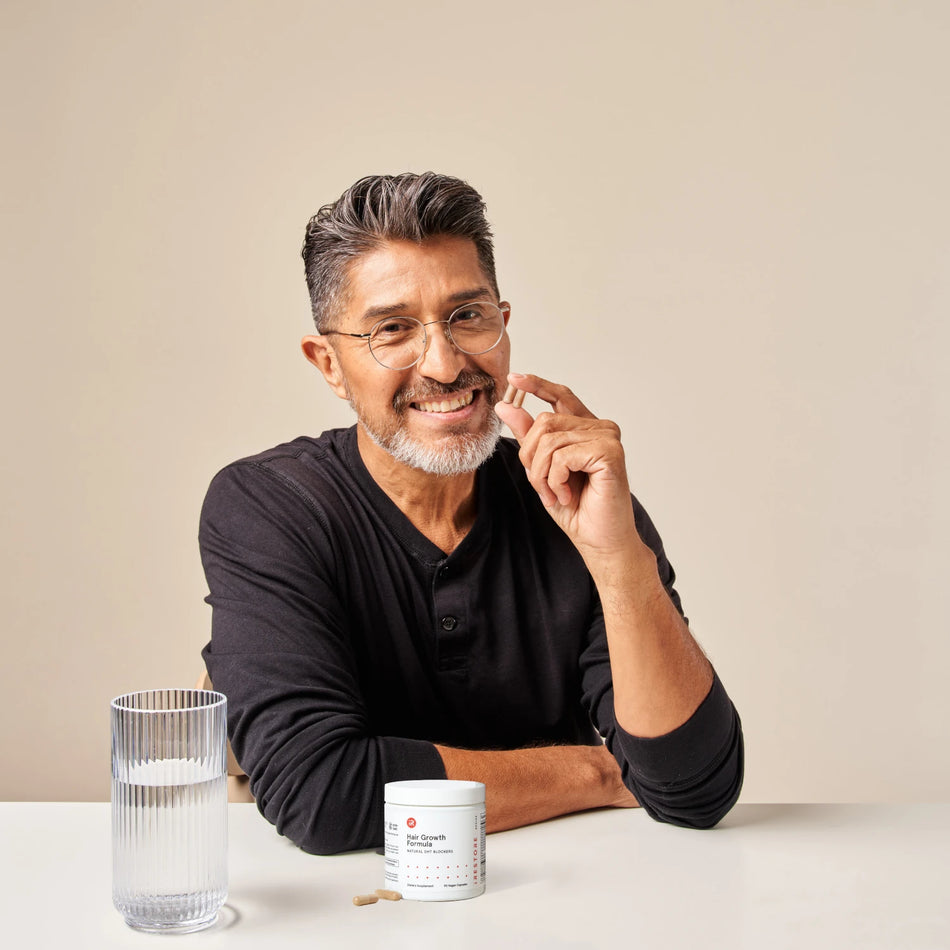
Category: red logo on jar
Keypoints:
(411, 822)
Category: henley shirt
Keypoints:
(348, 644)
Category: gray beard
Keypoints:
(464, 453)
(457, 453)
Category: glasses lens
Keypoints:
(476, 327)
(397, 342)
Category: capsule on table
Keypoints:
(388, 895)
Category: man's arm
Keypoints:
(524, 786)
(281, 651)
(659, 675)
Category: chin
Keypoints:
(454, 455)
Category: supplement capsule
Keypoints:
(388, 895)
(362, 899)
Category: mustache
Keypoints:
(404, 398)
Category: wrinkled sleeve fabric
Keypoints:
(691, 776)
(280, 652)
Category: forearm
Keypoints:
(524, 786)
(660, 674)
(577, 465)
(683, 756)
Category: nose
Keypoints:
(441, 359)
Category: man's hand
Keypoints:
(576, 464)
(619, 796)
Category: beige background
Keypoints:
(724, 224)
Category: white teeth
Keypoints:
(446, 405)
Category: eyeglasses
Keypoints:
(400, 342)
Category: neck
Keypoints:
(442, 507)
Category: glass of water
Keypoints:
(169, 808)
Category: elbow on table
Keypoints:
(329, 840)
(322, 821)
(697, 819)
(325, 830)
(703, 806)
(323, 793)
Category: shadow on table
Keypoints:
(228, 917)
(776, 815)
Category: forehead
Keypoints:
(413, 275)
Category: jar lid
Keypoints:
(435, 792)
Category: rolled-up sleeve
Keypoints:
(691, 776)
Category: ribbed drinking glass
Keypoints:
(169, 808)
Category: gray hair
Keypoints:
(380, 208)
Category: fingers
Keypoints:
(517, 419)
(560, 454)
(558, 444)
(575, 462)
(559, 397)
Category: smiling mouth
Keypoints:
(446, 405)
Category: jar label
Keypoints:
(435, 853)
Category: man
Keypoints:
(417, 597)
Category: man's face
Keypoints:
(437, 415)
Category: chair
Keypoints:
(239, 785)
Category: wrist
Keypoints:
(627, 574)
(613, 792)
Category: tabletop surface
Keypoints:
(768, 877)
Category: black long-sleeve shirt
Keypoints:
(348, 644)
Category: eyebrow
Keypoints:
(372, 314)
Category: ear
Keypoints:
(319, 351)
(506, 310)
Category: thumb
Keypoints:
(517, 419)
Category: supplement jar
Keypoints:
(435, 839)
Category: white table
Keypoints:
(769, 877)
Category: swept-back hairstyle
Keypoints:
(381, 208)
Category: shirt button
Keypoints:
(449, 623)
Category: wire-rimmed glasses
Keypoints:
(400, 342)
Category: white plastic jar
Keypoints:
(435, 839)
